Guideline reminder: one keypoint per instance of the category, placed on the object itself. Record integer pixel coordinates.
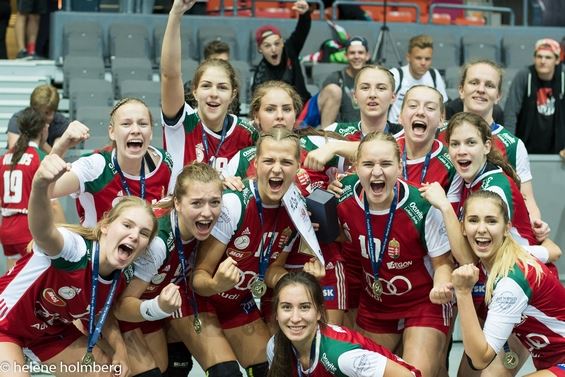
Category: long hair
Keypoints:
(494, 156)
(381, 136)
(31, 124)
(218, 63)
(110, 216)
(262, 89)
(283, 354)
(510, 253)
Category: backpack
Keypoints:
(401, 76)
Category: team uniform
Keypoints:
(187, 139)
(14, 194)
(533, 311)
(511, 147)
(101, 185)
(240, 229)
(417, 233)
(440, 168)
(42, 295)
(340, 351)
(353, 132)
(162, 257)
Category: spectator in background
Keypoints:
(336, 101)
(281, 58)
(217, 50)
(44, 99)
(418, 71)
(27, 26)
(5, 12)
(535, 107)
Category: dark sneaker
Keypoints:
(22, 54)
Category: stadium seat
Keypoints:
(81, 67)
(452, 77)
(148, 91)
(129, 40)
(243, 70)
(188, 68)
(130, 69)
(97, 119)
(518, 50)
(218, 32)
(83, 39)
(89, 92)
(447, 50)
(321, 71)
(481, 45)
(188, 50)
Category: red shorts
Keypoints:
(353, 282)
(236, 313)
(47, 347)
(334, 286)
(558, 370)
(17, 249)
(422, 315)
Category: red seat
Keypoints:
(470, 21)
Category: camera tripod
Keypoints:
(384, 38)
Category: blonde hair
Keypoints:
(280, 134)
(261, 91)
(420, 41)
(44, 97)
(380, 136)
(509, 253)
(376, 67)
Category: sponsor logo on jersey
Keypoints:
(506, 139)
(237, 255)
(246, 232)
(67, 293)
(486, 183)
(329, 293)
(241, 242)
(536, 341)
(479, 290)
(330, 266)
(249, 154)
(504, 300)
(398, 265)
(327, 363)
(51, 297)
(39, 326)
(158, 279)
(414, 212)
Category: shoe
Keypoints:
(22, 54)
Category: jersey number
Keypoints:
(13, 186)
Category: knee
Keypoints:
(329, 96)
(180, 360)
(225, 369)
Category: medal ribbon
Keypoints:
(222, 139)
(94, 330)
(424, 169)
(184, 269)
(264, 255)
(376, 261)
(125, 185)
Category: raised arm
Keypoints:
(172, 90)
(40, 218)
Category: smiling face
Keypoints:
(271, 48)
(378, 168)
(467, 150)
(373, 92)
(480, 90)
(357, 56)
(276, 110)
(485, 227)
(276, 165)
(130, 129)
(297, 315)
(214, 93)
(125, 238)
(421, 114)
(198, 209)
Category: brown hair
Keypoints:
(381, 136)
(216, 47)
(262, 89)
(283, 354)
(218, 63)
(280, 134)
(123, 102)
(494, 65)
(44, 97)
(420, 41)
(31, 124)
(440, 96)
(376, 67)
(494, 156)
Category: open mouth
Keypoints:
(275, 183)
(203, 226)
(125, 251)
(213, 104)
(296, 330)
(372, 104)
(483, 242)
(464, 163)
(275, 57)
(134, 144)
(480, 99)
(377, 187)
(419, 127)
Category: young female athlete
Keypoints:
(73, 274)
(148, 301)
(394, 234)
(306, 345)
(17, 168)
(130, 166)
(247, 252)
(207, 134)
(523, 297)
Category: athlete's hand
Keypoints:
(181, 6)
(464, 278)
(315, 268)
(300, 6)
(75, 134)
(170, 298)
(434, 194)
(336, 186)
(52, 167)
(442, 294)
(227, 275)
(541, 229)
(233, 183)
(318, 158)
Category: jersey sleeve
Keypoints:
(523, 163)
(362, 363)
(74, 247)
(230, 170)
(175, 141)
(147, 264)
(437, 242)
(505, 311)
(87, 169)
(227, 223)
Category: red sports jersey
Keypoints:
(416, 233)
(101, 185)
(14, 193)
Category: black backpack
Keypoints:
(401, 76)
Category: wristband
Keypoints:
(539, 252)
(151, 311)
